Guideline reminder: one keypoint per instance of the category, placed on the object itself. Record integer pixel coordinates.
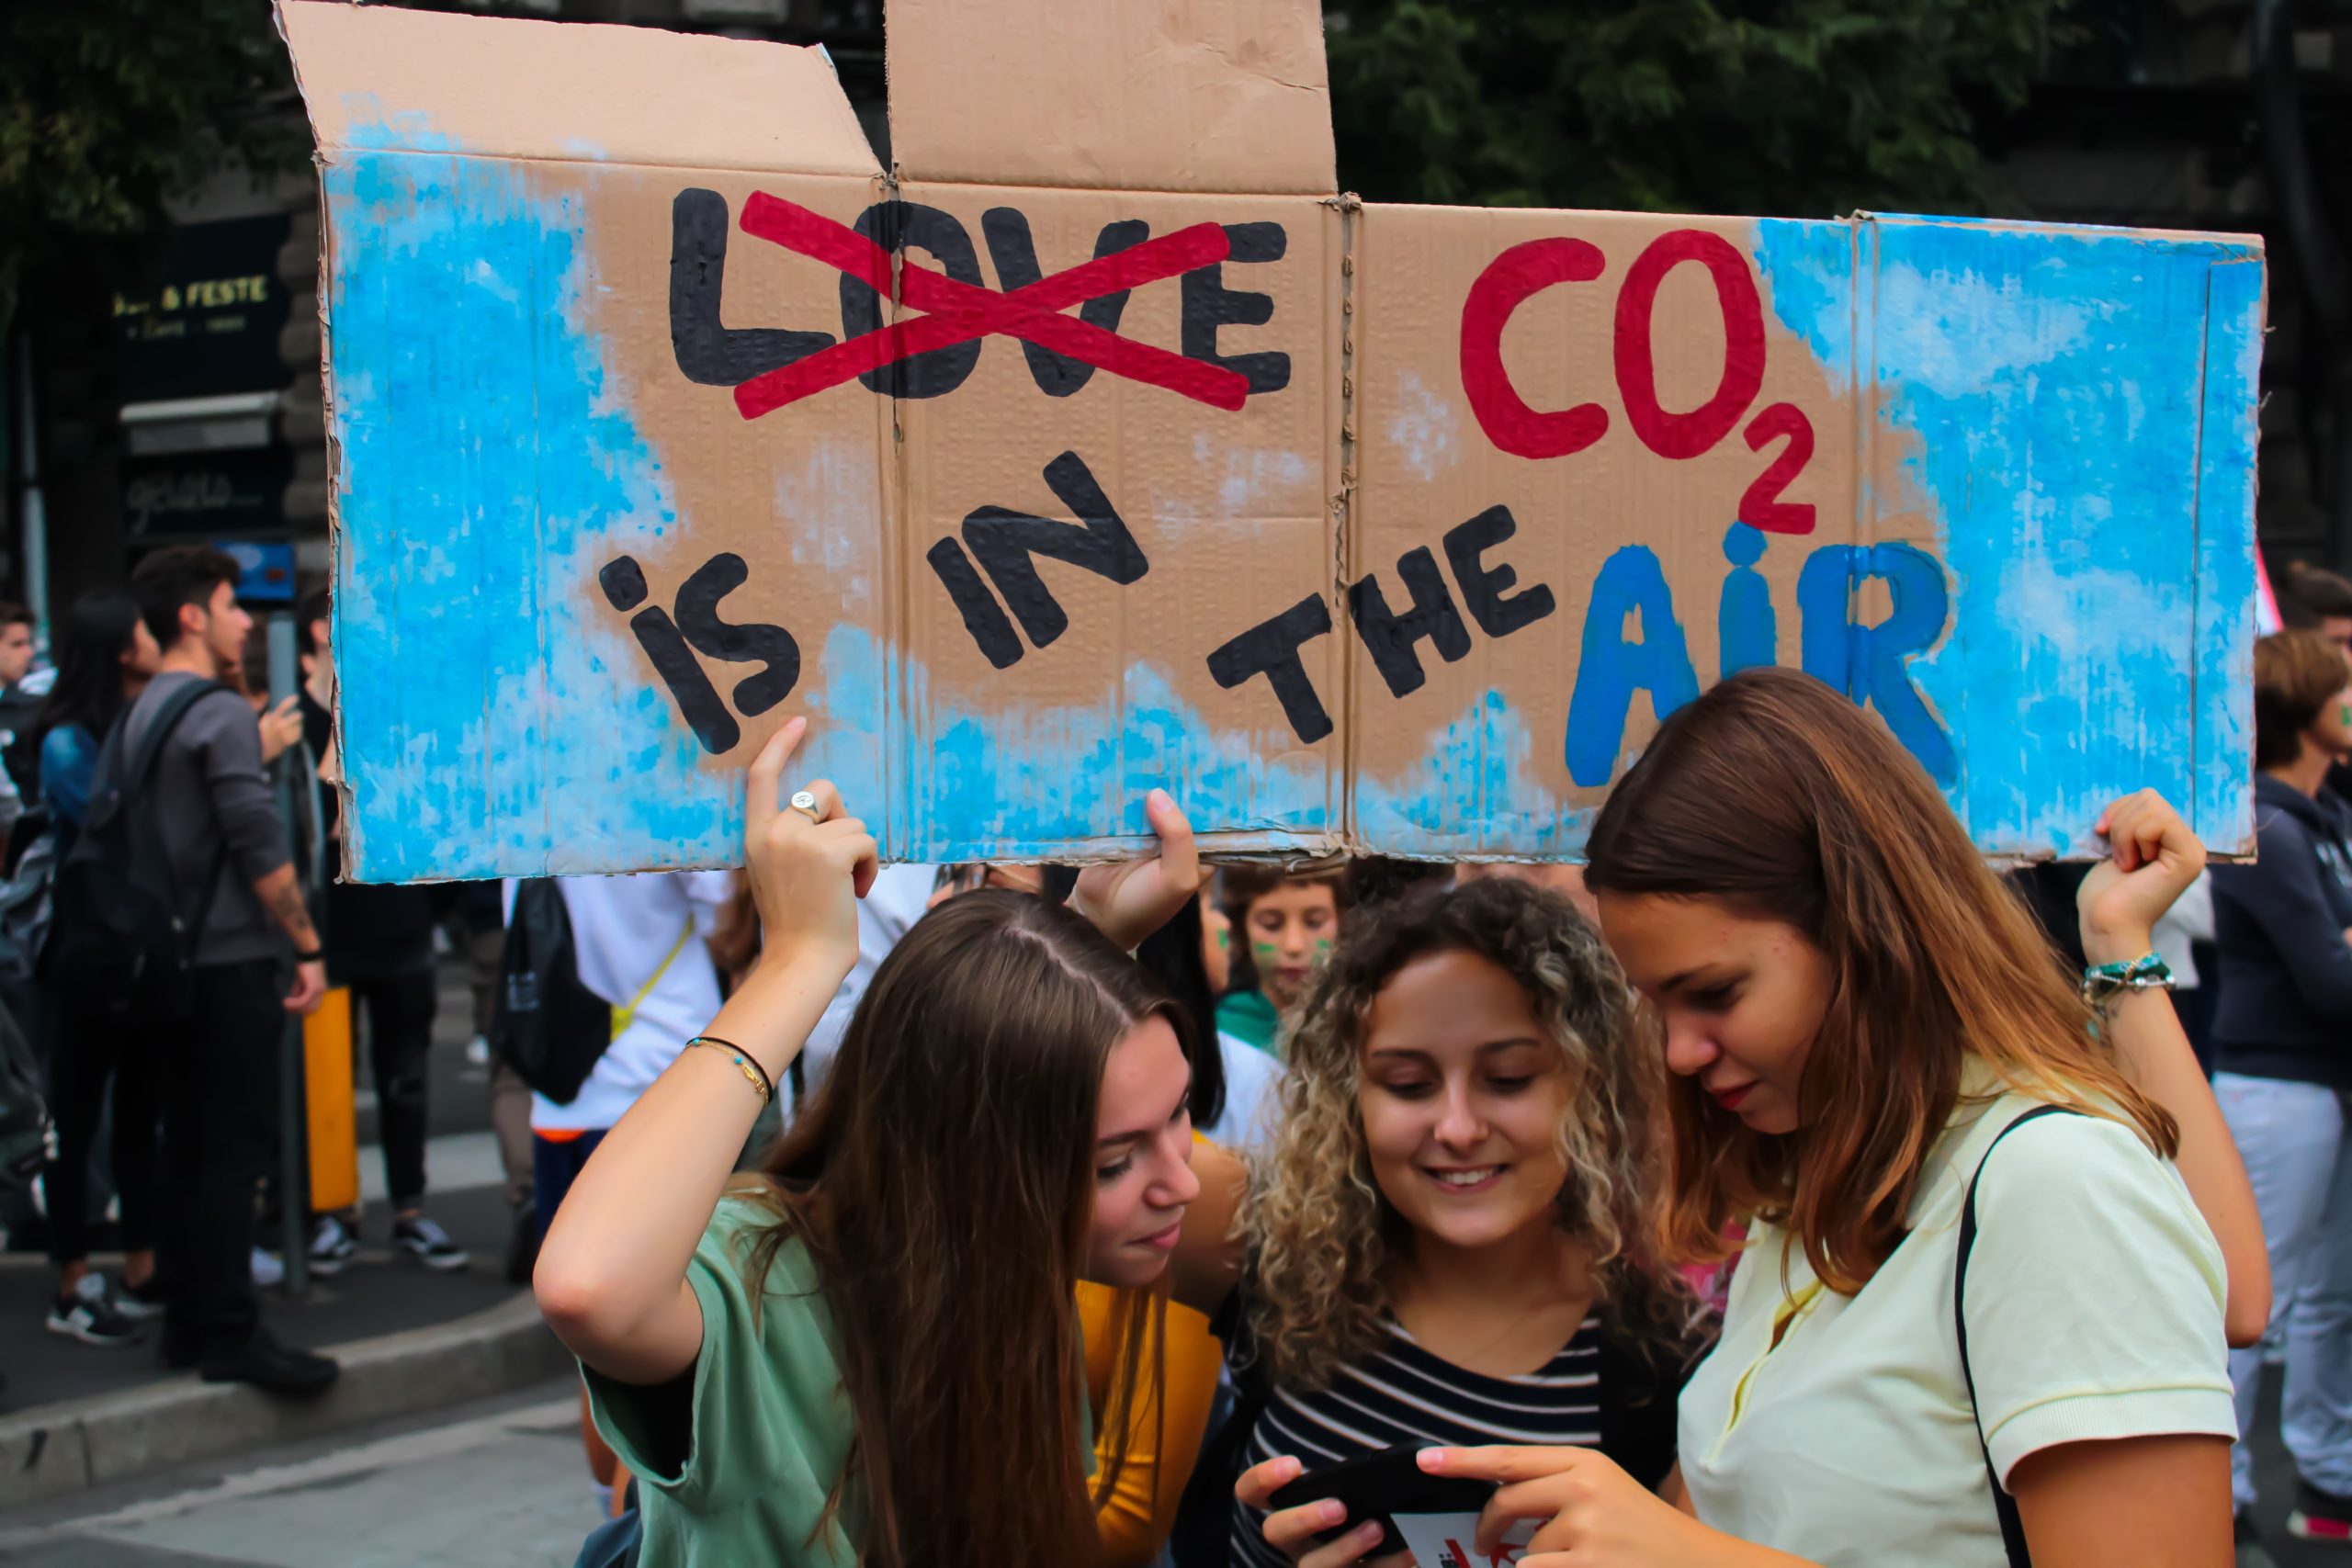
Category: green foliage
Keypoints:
(109, 106)
(1782, 108)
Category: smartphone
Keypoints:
(1382, 1486)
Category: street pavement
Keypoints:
(498, 1485)
(378, 1293)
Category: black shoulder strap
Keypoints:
(2012, 1526)
(168, 714)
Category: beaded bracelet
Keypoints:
(756, 1074)
(2101, 982)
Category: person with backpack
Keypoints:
(1996, 1232)
(174, 911)
(106, 656)
(604, 981)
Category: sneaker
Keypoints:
(144, 1300)
(2320, 1516)
(268, 1272)
(332, 1247)
(85, 1314)
(523, 1246)
(428, 1244)
(267, 1365)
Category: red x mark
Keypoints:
(959, 313)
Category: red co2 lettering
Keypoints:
(1518, 428)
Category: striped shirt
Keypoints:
(1403, 1395)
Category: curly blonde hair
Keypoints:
(1321, 1235)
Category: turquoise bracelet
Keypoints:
(2102, 981)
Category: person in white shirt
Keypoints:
(1855, 1012)
(636, 941)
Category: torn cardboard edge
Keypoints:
(507, 135)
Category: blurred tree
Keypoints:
(109, 106)
(1780, 108)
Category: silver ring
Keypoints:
(802, 801)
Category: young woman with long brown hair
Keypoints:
(1453, 1240)
(1856, 1012)
(869, 1353)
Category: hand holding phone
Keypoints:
(1346, 1514)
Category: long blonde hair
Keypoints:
(1322, 1236)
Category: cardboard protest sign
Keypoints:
(1103, 445)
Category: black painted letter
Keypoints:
(1389, 637)
(1005, 542)
(1271, 649)
(1487, 590)
(1208, 304)
(624, 584)
(749, 643)
(707, 353)
(1015, 254)
(986, 624)
(895, 226)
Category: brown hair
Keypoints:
(2296, 675)
(1775, 795)
(1238, 886)
(2315, 591)
(1322, 1234)
(943, 1181)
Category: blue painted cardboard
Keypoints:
(2028, 468)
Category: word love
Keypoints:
(1525, 270)
(932, 355)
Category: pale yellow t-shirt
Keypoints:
(2094, 1295)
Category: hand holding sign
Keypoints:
(2151, 860)
(807, 866)
(1130, 900)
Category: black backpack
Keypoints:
(121, 936)
(25, 1133)
(547, 1026)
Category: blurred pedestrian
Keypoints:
(23, 688)
(2283, 1044)
(1284, 924)
(208, 803)
(106, 657)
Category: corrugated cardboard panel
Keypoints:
(1393, 529)
(1533, 581)
(2043, 428)
(1128, 95)
(2026, 451)
(1045, 694)
(376, 77)
(575, 587)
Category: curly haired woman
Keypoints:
(1451, 1242)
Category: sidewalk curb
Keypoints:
(57, 1449)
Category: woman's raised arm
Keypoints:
(612, 1277)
